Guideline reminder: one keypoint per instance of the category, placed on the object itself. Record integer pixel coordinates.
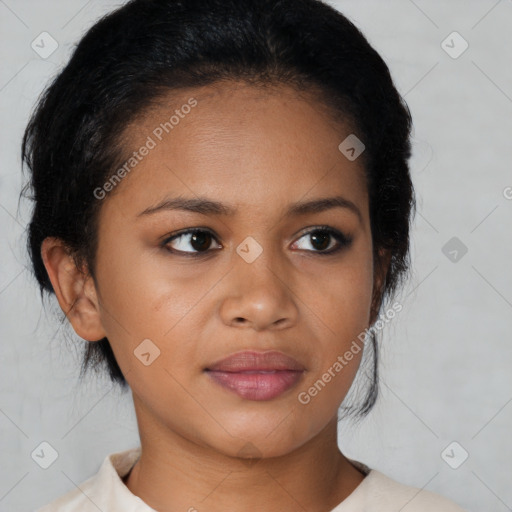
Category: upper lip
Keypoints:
(256, 361)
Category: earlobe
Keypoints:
(74, 289)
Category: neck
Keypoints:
(175, 474)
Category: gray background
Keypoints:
(446, 357)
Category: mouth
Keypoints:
(256, 375)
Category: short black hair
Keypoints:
(134, 55)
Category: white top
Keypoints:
(106, 491)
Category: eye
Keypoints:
(199, 239)
(320, 238)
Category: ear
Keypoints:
(74, 288)
(379, 281)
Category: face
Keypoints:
(255, 277)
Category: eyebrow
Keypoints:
(207, 206)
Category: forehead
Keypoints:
(240, 144)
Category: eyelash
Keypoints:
(343, 240)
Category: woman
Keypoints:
(222, 207)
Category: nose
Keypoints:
(259, 295)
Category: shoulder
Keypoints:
(381, 493)
(104, 490)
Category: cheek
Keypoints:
(341, 295)
(137, 282)
(148, 297)
(347, 300)
(341, 304)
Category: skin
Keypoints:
(258, 151)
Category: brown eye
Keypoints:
(321, 240)
(325, 240)
(198, 239)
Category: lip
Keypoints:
(251, 360)
(256, 375)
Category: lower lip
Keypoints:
(257, 385)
